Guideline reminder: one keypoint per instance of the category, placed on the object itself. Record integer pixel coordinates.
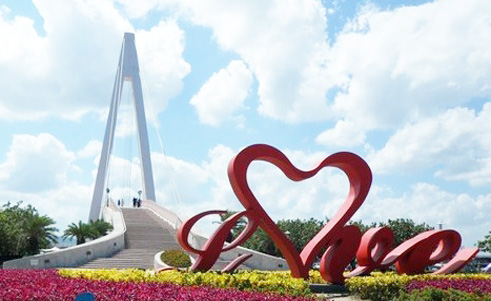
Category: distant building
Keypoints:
(479, 263)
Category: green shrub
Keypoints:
(176, 258)
(378, 286)
(434, 294)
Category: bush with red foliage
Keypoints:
(469, 285)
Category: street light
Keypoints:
(107, 196)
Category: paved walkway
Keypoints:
(338, 297)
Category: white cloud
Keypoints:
(160, 53)
(138, 9)
(90, 150)
(35, 164)
(282, 43)
(409, 71)
(412, 62)
(430, 204)
(70, 70)
(223, 94)
(66, 204)
(216, 168)
(458, 142)
(35, 171)
(188, 188)
(64, 78)
(323, 195)
(345, 133)
(178, 182)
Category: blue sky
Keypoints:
(406, 86)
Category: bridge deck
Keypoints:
(146, 235)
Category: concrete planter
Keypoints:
(160, 266)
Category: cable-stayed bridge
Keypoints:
(139, 233)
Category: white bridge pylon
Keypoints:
(128, 70)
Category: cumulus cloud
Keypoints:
(91, 149)
(345, 133)
(64, 78)
(65, 204)
(281, 42)
(413, 60)
(223, 94)
(67, 70)
(177, 180)
(456, 142)
(189, 188)
(408, 71)
(160, 51)
(404, 64)
(35, 164)
(427, 203)
(37, 171)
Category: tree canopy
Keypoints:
(23, 231)
(485, 244)
(404, 228)
(301, 231)
(83, 231)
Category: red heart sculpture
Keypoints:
(342, 242)
(360, 178)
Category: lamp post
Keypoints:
(107, 196)
(139, 201)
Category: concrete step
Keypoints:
(146, 235)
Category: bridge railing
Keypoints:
(105, 246)
(172, 219)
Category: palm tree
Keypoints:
(40, 233)
(82, 231)
(101, 227)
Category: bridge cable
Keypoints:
(174, 190)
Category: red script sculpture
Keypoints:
(343, 242)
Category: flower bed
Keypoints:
(273, 282)
(66, 284)
(49, 285)
(390, 286)
(469, 285)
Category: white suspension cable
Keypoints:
(128, 136)
(113, 119)
(174, 190)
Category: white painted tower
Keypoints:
(128, 71)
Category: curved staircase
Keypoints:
(146, 235)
